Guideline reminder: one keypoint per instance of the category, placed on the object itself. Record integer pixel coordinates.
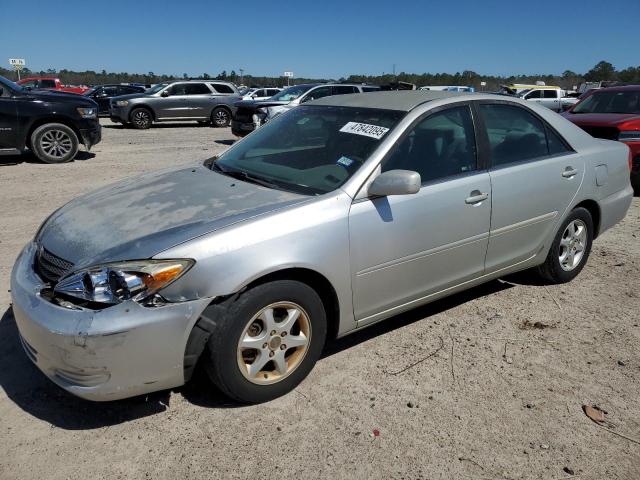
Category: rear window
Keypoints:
(222, 88)
(47, 84)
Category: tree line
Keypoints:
(602, 71)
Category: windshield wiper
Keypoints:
(246, 177)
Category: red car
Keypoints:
(50, 83)
(612, 113)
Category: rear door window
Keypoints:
(514, 134)
(196, 89)
(47, 84)
(550, 94)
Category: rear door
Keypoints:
(406, 247)
(534, 177)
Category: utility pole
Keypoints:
(394, 69)
(241, 76)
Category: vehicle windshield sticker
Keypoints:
(365, 129)
(345, 162)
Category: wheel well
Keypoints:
(224, 107)
(594, 209)
(200, 332)
(46, 120)
(316, 281)
(149, 109)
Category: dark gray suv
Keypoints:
(204, 101)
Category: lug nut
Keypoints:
(283, 347)
(271, 353)
(283, 334)
(273, 332)
(264, 345)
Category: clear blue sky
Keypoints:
(323, 38)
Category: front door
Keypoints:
(534, 176)
(8, 119)
(404, 248)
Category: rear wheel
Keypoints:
(54, 143)
(267, 341)
(221, 117)
(570, 249)
(141, 118)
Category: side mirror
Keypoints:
(165, 93)
(395, 182)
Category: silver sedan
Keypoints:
(336, 215)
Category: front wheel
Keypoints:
(267, 341)
(221, 117)
(141, 118)
(570, 248)
(54, 143)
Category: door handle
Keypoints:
(569, 172)
(476, 197)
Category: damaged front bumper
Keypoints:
(117, 352)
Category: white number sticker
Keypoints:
(365, 129)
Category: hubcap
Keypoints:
(56, 143)
(274, 343)
(572, 245)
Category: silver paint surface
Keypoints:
(382, 256)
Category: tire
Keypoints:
(244, 334)
(221, 117)
(569, 237)
(54, 143)
(141, 118)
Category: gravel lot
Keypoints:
(500, 398)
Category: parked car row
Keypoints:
(251, 114)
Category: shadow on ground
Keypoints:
(30, 390)
(29, 157)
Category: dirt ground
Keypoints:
(487, 384)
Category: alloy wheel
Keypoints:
(221, 118)
(274, 343)
(142, 118)
(56, 143)
(573, 244)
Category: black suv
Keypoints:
(51, 124)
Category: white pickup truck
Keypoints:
(553, 98)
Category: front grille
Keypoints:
(608, 133)
(51, 267)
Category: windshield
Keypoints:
(90, 91)
(291, 93)
(10, 84)
(610, 102)
(244, 91)
(310, 150)
(524, 92)
(155, 88)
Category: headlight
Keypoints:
(87, 112)
(122, 103)
(629, 136)
(116, 282)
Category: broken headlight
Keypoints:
(116, 282)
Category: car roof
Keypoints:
(403, 100)
(621, 88)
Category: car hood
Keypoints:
(600, 119)
(55, 96)
(142, 216)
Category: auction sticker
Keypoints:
(373, 131)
